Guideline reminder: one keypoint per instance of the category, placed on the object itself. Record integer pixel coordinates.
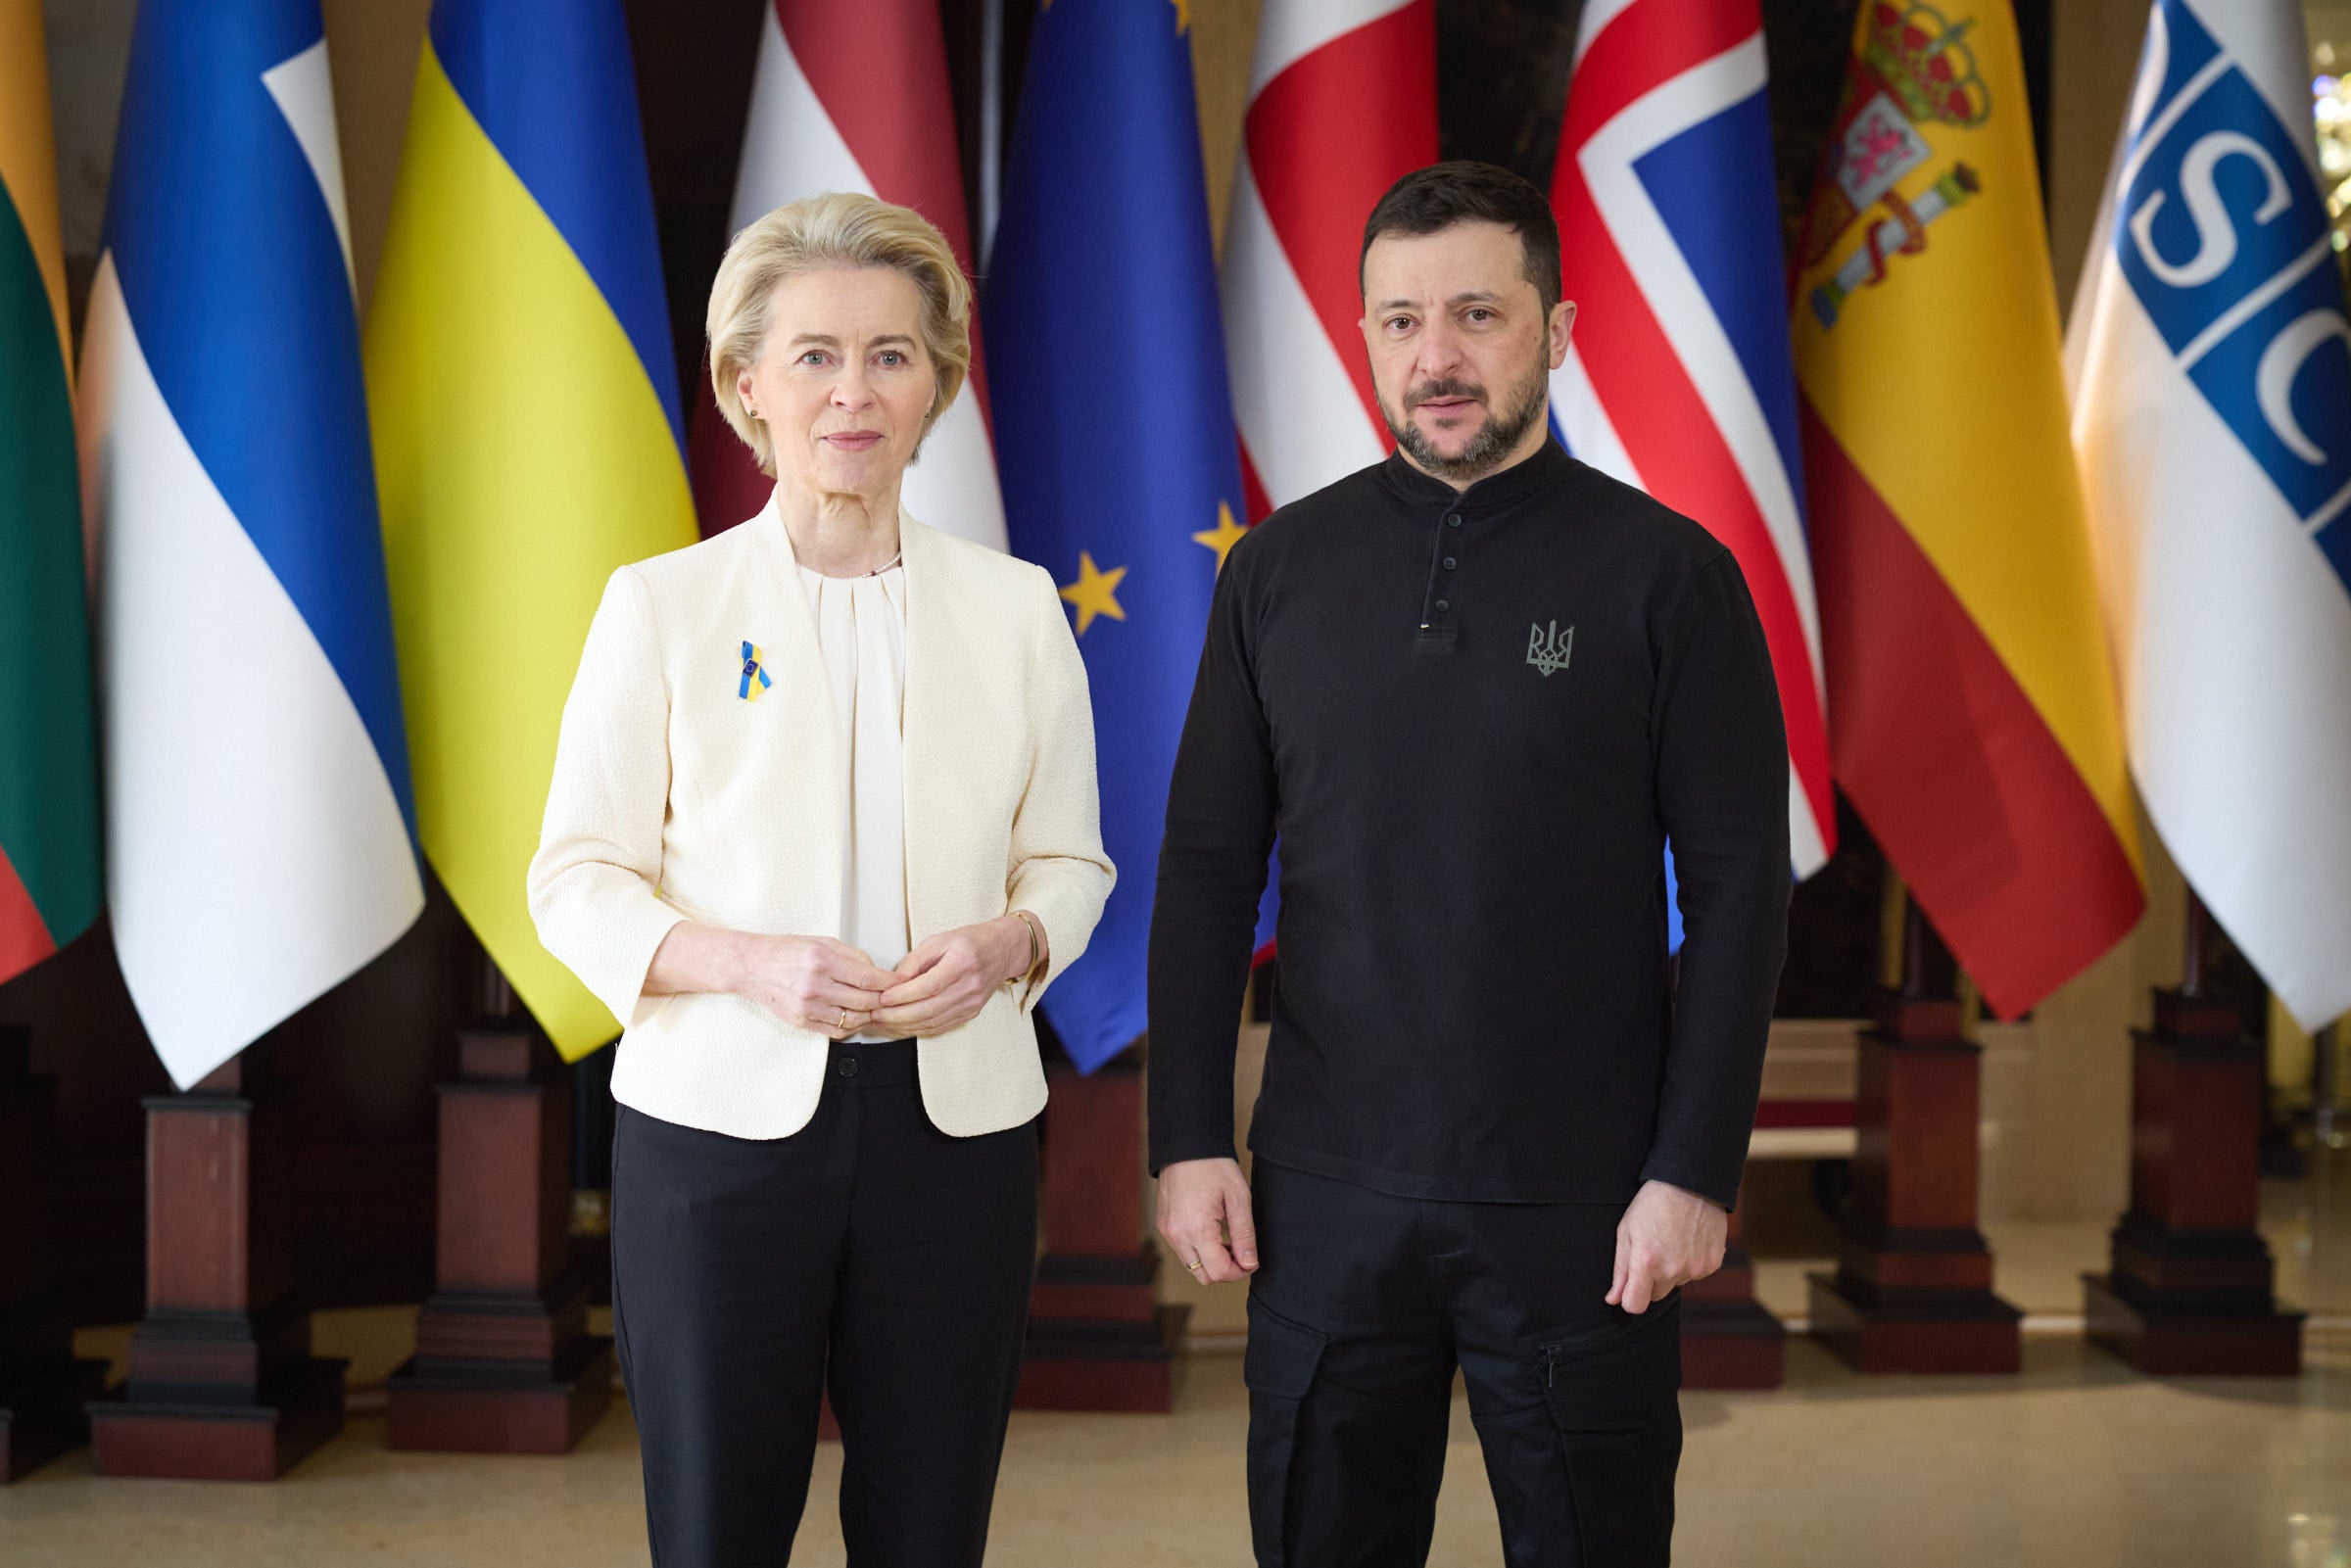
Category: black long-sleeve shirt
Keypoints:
(1473, 720)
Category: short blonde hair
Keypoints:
(834, 229)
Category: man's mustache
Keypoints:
(1442, 389)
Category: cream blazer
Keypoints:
(676, 796)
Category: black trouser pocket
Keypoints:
(1279, 1369)
(1612, 1395)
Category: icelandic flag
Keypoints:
(2210, 359)
(1679, 380)
(258, 814)
(1114, 424)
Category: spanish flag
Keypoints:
(524, 397)
(1974, 717)
(49, 865)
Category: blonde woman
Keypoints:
(823, 827)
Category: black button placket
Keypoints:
(1434, 604)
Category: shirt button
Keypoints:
(849, 1066)
(1453, 521)
(1444, 605)
(1449, 563)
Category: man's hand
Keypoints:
(1204, 1215)
(1667, 1239)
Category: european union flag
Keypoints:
(1114, 425)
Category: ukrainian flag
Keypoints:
(527, 429)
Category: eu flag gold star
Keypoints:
(1223, 536)
(1095, 592)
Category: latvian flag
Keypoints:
(855, 98)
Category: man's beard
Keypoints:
(1495, 440)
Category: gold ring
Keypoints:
(844, 1019)
(1193, 1265)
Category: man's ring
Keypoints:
(1193, 1265)
(844, 1019)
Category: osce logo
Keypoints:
(2224, 238)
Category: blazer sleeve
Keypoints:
(1058, 869)
(594, 882)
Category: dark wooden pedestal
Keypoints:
(1729, 1339)
(1098, 1340)
(504, 1363)
(222, 1385)
(2190, 1288)
(1912, 1290)
(43, 1387)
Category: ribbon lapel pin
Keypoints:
(754, 675)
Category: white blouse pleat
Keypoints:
(861, 628)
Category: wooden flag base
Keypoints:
(1098, 1339)
(220, 1397)
(2190, 1290)
(43, 1414)
(505, 1363)
(222, 1385)
(1729, 1338)
(1912, 1291)
(43, 1386)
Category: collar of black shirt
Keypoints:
(1545, 465)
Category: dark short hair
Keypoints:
(1435, 198)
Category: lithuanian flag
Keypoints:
(524, 398)
(1973, 716)
(50, 883)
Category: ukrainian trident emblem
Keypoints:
(1547, 649)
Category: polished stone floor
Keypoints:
(2076, 1463)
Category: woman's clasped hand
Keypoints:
(825, 985)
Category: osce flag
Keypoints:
(1114, 420)
(855, 98)
(2212, 415)
(527, 432)
(257, 777)
(1679, 379)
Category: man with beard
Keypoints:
(1475, 689)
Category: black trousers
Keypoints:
(1363, 1305)
(869, 1254)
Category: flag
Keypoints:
(1678, 379)
(1312, 165)
(2212, 412)
(1975, 727)
(855, 98)
(1115, 422)
(527, 431)
(49, 861)
(257, 780)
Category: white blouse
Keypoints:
(861, 628)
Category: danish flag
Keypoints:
(1679, 378)
(1342, 103)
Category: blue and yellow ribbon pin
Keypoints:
(754, 675)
